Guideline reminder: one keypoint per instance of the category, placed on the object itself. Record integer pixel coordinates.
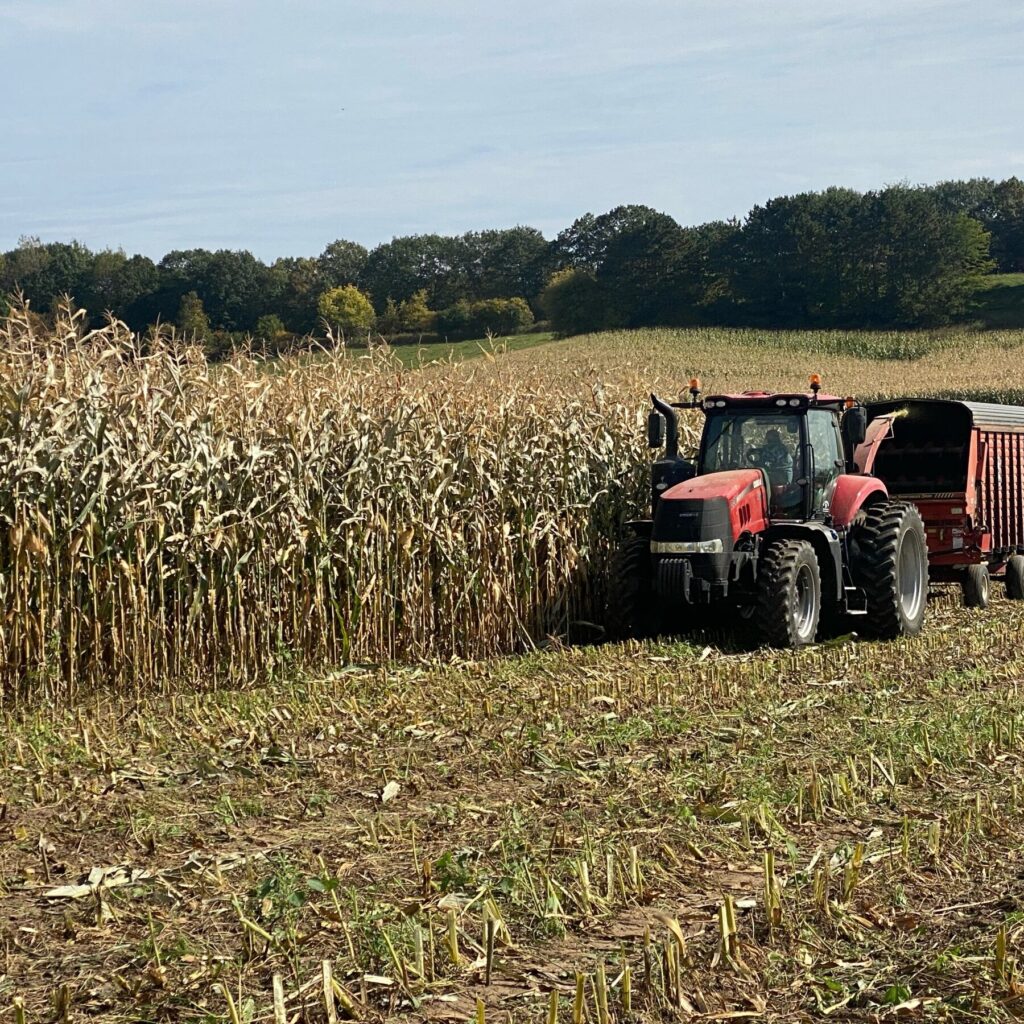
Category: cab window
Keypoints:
(823, 435)
(762, 439)
(765, 440)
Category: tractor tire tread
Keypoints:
(633, 612)
(777, 574)
(879, 544)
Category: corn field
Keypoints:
(642, 832)
(166, 522)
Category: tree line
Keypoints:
(898, 256)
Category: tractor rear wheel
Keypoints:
(634, 611)
(1015, 577)
(891, 566)
(976, 586)
(788, 594)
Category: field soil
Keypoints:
(695, 831)
(198, 824)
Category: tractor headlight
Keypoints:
(687, 547)
(708, 547)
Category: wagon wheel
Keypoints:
(1015, 578)
(976, 586)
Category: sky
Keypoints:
(277, 127)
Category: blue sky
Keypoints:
(279, 126)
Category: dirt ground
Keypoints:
(692, 831)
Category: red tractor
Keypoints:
(775, 524)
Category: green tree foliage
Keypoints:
(341, 262)
(575, 302)
(898, 256)
(650, 272)
(500, 317)
(893, 257)
(795, 259)
(713, 247)
(298, 284)
(921, 262)
(506, 264)
(45, 272)
(479, 265)
(389, 322)
(119, 284)
(236, 288)
(585, 242)
(1007, 228)
(432, 263)
(414, 314)
(998, 207)
(192, 319)
(269, 327)
(347, 309)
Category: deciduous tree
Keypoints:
(575, 302)
(341, 262)
(192, 319)
(347, 309)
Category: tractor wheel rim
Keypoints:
(804, 601)
(911, 577)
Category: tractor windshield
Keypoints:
(758, 439)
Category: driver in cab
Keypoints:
(780, 463)
(777, 458)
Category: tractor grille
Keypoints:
(692, 519)
(679, 520)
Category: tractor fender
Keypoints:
(827, 547)
(852, 492)
(639, 527)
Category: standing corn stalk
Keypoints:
(164, 522)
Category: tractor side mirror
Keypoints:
(655, 429)
(855, 427)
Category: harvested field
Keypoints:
(753, 836)
(246, 773)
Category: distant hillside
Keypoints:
(999, 300)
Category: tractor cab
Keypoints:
(795, 440)
(774, 505)
(800, 442)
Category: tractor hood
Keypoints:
(705, 516)
(731, 484)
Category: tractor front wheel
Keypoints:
(892, 568)
(976, 586)
(633, 610)
(788, 603)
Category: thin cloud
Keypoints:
(36, 16)
(305, 122)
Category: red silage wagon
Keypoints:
(962, 465)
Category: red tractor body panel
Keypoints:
(851, 494)
(878, 430)
(743, 489)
